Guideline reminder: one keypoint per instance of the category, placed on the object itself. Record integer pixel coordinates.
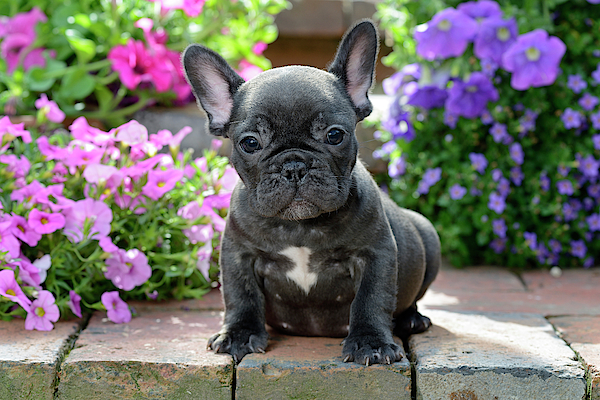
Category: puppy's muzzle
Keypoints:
(294, 171)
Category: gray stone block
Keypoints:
(494, 356)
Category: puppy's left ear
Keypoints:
(354, 64)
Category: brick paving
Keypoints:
(495, 335)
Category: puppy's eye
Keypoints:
(250, 145)
(335, 136)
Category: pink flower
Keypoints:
(83, 155)
(12, 131)
(132, 133)
(228, 181)
(192, 8)
(49, 151)
(43, 222)
(81, 130)
(128, 269)
(90, 211)
(248, 71)
(199, 233)
(107, 245)
(8, 242)
(74, 303)
(10, 289)
(28, 273)
(136, 65)
(18, 165)
(160, 182)
(42, 313)
(259, 48)
(190, 211)
(28, 194)
(116, 309)
(203, 264)
(50, 108)
(19, 35)
(99, 173)
(22, 230)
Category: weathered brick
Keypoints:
(29, 359)
(583, 335)
(158, 354)
(312, 368)
(493, 355)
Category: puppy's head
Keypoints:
(292, 128)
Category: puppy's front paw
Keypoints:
(369, 350)
(238, 343)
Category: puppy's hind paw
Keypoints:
(238, 343)
(411, 322)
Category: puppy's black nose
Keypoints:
(294, 171)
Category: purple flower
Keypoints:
(451, 119)
(488, 67)
(533, 59)
(593, 222)
(516, 153)
(430, 178)
(50, 109)
(496, 203)
(397, 167)
(408, 73)
(516, 175)
(588, 102)
(588, 204)
(116, 309)
(563, 170)
(74, 303)
(429, 96)
(457, 192)
(589, 166)
(398, 123)
(496, 174)
(596, 74)
(42, 312)
(478, 162)
(576, 83)
(595, 118)
(470, 99)
(589, 262)
(569, 213)
(499, 227)
(486, 118)
(498, 132)
(555, 246)
(571, 118)
(527, 121)
(594, 191)
(446, 35)
(479, 10)
(596, 141)
(498, 245)
(578, 248)
(530, 240)
(565, 187)
(544, 181)
(128, 269)
(495, 36)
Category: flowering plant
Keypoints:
(107, 59)
(90, 218)
(494, 132)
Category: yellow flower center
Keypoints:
(532, 54)
(129, 265)
(160, 184)
(503, 34)
(444, 25)
(44, 221)
(21, 228)
(39, 311)
(472, 88)
(11, 292)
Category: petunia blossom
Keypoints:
(495, 36)
(479, 162)
(481, 10)
(42, 312)
(8, 241)
(21, 230)
(10, 289)
(128, 269)
(88, 211)
(50, 109)
(469, 99)
(534, 59)
(116, 309)
(43, 222)
(457, 192)
(74, 303)
(446, 35)
(160, 182)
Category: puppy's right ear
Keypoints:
(214, 84)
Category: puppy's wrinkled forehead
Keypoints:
(293, 94)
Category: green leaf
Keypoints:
(37, 80)
(77, 85)
(85, 49)
(104, 97)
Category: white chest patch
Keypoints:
(300, 273)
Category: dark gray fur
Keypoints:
(303, 196)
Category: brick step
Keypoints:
(495, 335)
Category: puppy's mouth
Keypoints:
(299, 209)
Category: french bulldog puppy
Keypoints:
(311, 247)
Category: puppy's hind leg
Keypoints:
(410, 322)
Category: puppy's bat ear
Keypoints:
(354, 64)
(214, 84)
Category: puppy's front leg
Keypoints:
(370, 339)
(243, 329)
